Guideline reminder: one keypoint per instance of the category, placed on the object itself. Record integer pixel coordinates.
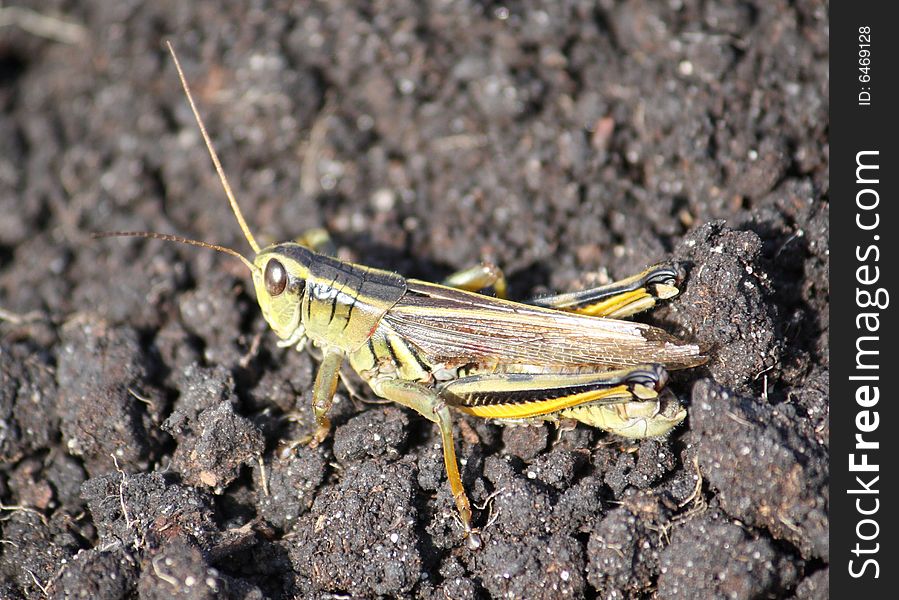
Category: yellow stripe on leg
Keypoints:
(621, 305)
(523, 410)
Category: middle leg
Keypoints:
(428, 403)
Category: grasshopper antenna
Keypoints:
(215, 160)
(176, 238)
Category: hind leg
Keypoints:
(427, 402)
(479, 278)
(620, 299)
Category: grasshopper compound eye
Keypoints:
(275, 277)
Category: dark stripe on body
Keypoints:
(391, 350)
(334, 295)
(416, 354)
(349, 314)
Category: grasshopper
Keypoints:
(440, 347)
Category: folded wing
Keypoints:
(454, 326)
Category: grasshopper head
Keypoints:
(280, 281)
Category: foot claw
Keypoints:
(312, 440)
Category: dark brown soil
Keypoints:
(143, 399)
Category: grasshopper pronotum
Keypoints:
(435, 347)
